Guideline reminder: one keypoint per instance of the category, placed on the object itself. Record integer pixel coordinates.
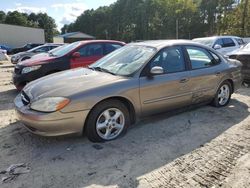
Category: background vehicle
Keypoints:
(25, 48)
(47, 54)
(77, 54)
(5, 47)
(134, 81)
(3, 55)
(21, 56)
(243, 55)
(223, 44)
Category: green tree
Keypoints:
(16, 18)
(131, 20)
(2, 16)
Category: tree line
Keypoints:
(40, 20)
(131, 20)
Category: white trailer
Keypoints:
(15, 36)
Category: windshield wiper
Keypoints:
(101, 70)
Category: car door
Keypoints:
(228, 45)
(168, 90)
(89, 54)
(205, 73)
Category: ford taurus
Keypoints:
(134, 81)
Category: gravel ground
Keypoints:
(202, 147)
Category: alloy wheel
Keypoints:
(110, 123)
(224, 94)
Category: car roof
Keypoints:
(217, 37)
(101, 41)
(164, 43)
(53, 44)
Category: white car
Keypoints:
(223, 44)
(3, 55)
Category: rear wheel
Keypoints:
(223, 95)
(107, 121)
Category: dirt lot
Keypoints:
(203, 147)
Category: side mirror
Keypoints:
(76, 55)
(217, 47)
(156, 70)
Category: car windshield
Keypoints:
(65, 49)
(51, 52)
(124, 61)
(207, 42)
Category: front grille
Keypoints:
(25, 98)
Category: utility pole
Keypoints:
(244, 14)
(177, 28)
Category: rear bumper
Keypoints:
(50, 124)
(246, 75)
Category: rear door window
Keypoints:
(240, 41)
(110, 47)
(91, 50)
(228, 42)
(42, 49)
(200, 58)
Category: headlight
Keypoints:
(51, 104)
(15, 57)
(29, 69)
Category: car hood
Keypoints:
(18, 54)
(68, 83)
(23, 53)
(241, 52)
(36, 61)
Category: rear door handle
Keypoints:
(217, 73)
(184, 80)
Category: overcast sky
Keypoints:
(63, 11)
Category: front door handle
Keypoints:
(184, 80)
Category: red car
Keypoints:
(77, 54)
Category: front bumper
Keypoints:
(50, 124)
(20, 80)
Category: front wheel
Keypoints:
(107, 121)
(223, 95)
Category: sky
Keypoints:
(63, 11)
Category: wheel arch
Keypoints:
(232, 84)
(229, 80)
(124, 100)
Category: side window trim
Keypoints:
(189, 60)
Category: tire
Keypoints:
(102, 124)
(223, 95)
